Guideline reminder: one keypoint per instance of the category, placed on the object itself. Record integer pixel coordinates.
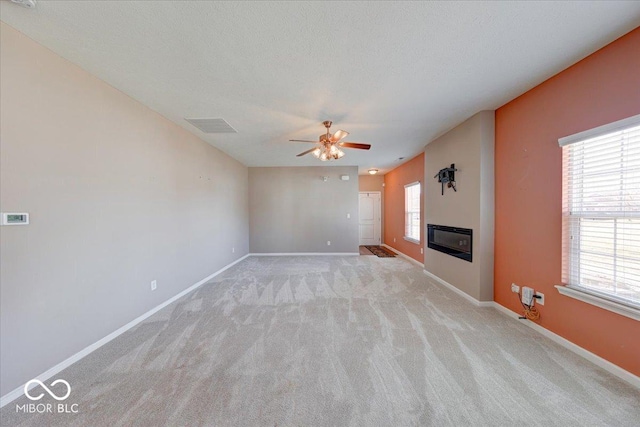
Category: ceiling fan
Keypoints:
(329, 145)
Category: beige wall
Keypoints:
(293, 210)
(374, 183)
(118, 196)
(471, 147)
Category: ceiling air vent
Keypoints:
(212, 125)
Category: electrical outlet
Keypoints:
(233, 250)
(541, 299)
(154, 285)
(348, 216)
(394, 240)
(515, 288)
(421, 250)
(527, 295)
(328, 242)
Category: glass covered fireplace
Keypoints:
(454, 241)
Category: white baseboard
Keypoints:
(14, 394)
(466, 296)
(405, 256)
(305, 254)
(593, 358)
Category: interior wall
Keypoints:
(470, 146)
(292, 209)
(394, 182)
(374, 183)
(118, 196)
(600, 89)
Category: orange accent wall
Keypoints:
(602, 88)
(394, 182)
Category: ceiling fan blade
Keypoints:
(306, 152)
(340, 134)
(302, 140)
(355, 145)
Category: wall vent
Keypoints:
(212, 125)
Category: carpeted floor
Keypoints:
(334, 341)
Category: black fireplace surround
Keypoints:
(455, 241)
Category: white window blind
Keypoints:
(412, 211)
(601, 211)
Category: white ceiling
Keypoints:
(394, 74)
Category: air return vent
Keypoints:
(212, 125)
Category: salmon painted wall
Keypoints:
(394, 183)
(602, 88)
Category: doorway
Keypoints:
(370, 224)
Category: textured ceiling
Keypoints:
(394, 74)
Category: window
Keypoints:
(601, 212)
(412, 212)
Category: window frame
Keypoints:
(408, 212)
(607, 301)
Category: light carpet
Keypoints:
(334, 341)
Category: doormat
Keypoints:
(381, 252)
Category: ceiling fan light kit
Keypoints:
(328, 152)
(329, 145)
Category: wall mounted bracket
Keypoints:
(447, 176)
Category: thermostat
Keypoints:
(15, 218)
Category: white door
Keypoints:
(369, 221)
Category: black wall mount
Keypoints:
(447, 176)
